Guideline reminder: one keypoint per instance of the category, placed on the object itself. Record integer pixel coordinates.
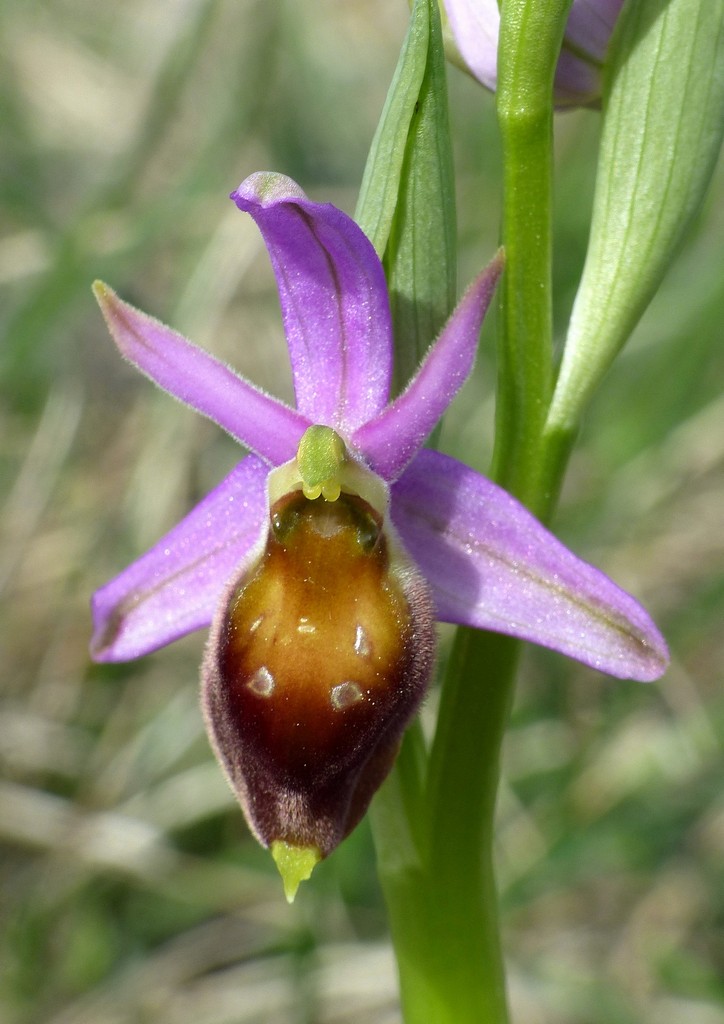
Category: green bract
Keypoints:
(407, 199)
(663, 122)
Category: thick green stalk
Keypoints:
(530, 38)
(437, 871)
(458, 966)
(439, 882)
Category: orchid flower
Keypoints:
(323, 559)
(474, 27)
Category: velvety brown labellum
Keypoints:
(321, 656)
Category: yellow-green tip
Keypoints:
(295, 864)
(320, 457)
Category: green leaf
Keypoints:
(407, 200)
(663, 121)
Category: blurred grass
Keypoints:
(129, 887)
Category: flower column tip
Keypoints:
(320, 458)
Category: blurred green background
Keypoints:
(129, 888)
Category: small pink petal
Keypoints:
(391, 440)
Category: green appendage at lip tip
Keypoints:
(295, 864)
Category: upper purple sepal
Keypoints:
(334, 301)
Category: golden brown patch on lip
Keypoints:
(314, 667)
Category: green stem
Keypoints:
(530, 38)
(439, 880)
(444, 907)
(440, 889)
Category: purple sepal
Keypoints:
(262, 423)
(578, 83)
(334, 301)
(590, 25)
(176, 586)
(492, 565)
(475, 27)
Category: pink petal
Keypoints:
(175, 587)
(475, 25)
(492, 565)
(588, 33)
(391, 440)
(590, 25)
(263, 424)
(577, 83)
(334, 301)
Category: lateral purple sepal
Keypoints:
(334, 301)
(175, 587)
(391, 440)
(264, 424)
(492, 565)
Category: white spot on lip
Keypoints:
(344, 695)
(262, 682)
(361, 642)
